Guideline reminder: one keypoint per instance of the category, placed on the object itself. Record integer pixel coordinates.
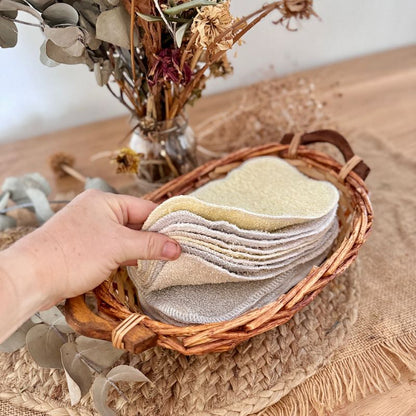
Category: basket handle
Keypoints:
(84, 321)
(353, 162)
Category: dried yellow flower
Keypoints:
(211, 22)
(127, 160)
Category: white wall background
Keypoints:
(35, 99)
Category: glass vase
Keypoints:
(168, 149)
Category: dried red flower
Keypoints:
(167, 68)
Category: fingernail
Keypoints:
(170, 250)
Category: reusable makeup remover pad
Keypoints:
(228, 247)
(257, 268)
(193, 270)
(196, 267)
(184, 305)
(225, 230)
(226, 235)
(245, 239)
(264, 193)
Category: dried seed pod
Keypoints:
(62, 165)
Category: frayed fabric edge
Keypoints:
(376, 370)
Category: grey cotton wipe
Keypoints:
(184, 305)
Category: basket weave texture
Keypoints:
(119, 316)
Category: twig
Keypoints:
(264, 11)
(132, 26)
(29, 205)
(22, 22)
(162, 15)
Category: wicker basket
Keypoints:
(119, 317)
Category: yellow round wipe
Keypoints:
(264, 193)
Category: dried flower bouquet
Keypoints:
(154, 56)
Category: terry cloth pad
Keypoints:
(184, 305)
(229, 248)
(193, 270)
(207, 231)
(223, 230)
(257, 269)
(248, 269)
(264, 193)
(213, 302)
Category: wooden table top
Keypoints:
(376, 92)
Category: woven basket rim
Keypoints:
(221, 336)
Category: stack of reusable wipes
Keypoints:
(246, 239)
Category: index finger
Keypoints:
(134, 210)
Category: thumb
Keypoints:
(146, 245)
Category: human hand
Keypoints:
(80, 246)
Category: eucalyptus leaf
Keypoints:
(44, 343)
(75, 394)
(90, 39)
(180, 33)
(102, 385)
(188, 5)
(100, 184)
(59, 55)
(40, 4)
(78, 375)
(12, 14)
(49, 316)
(92, 42)
(98, 351)
(76, 50)
(87, 10)
(37, 181)
(8, 33)
(113, 26)
(149, 18)
(53, 317)
(44, 58)
(10, 5)
(104, 4)
(118, 69)
(126, 373)
(17, 340)
(40, 203)
(103, 72)
(7, 222)
(99, 393)
(19, 186)
(30, 189)
(4, 200)
(60, 14)
(64, 36)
